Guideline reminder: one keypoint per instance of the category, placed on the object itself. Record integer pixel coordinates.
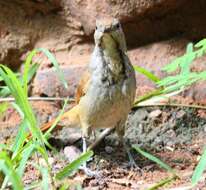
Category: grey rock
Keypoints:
(71, 153)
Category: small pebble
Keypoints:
(155, 113)
(71, 153)
(170, 148)
(140, 115)
(180, 114)
(109, 149)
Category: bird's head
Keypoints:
(109, 34)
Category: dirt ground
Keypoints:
(175, 135)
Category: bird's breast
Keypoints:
(110, 94)
(105, 105)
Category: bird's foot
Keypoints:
(91, 173)
(132, 164)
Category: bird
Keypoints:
(106, 91)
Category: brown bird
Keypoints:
(106, 92)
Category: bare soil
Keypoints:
(175, 135)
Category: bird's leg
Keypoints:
(87, 171)
(101, 136)
(121, 131)
(84, 147)
(132, 162)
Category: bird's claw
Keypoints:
(134, 166)
(91, 173)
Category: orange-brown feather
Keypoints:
(70, 118)
(83, 86)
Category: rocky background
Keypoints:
(157, 31)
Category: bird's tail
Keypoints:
(68, 119)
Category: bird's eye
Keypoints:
(96, 27)
(117, 26)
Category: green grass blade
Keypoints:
(145, 72)
(4, 91)
(73, 166)
(163, 182)
(56, 120)
(26, 70)
(42, 151)
(172, 80)
(188, 59)
(7, 78)
(56, 65)
(21, 100)
(32, 71)
(13, 84)
(20, 138)
(199, 169)
(148, 95)
(154, 159)
(4, 147)
(173, 65)
(24, 106)
(201, 43)
(48, 132)
(18, 109)
(202, 75)
(29, 71)
(64, 187)
(6, 166)
(45, 178)
(3, 107)
(25, 155)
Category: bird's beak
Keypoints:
(98, 37)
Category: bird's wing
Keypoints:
(70, 118)
(83, 86)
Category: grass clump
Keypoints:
(15, 158)
(172, 85)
